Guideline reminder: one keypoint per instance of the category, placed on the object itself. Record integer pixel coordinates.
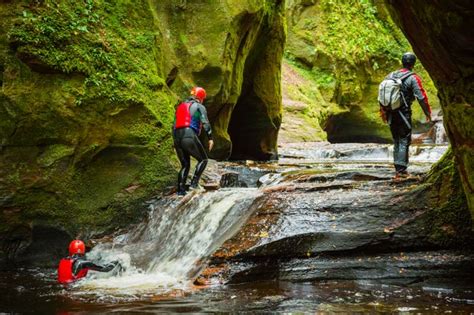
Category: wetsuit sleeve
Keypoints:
(420, 94)
(86, 264)
(205, 121)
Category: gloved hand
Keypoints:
(118, 266)
(111, 265)
(120, 269)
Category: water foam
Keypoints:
(170, 249)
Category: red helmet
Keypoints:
(77, 247)
(199, 93)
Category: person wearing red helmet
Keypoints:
(190, 118)
(75, 266)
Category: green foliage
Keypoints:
(82, 37)
(346, 48)
(351, 30)
(86, 98)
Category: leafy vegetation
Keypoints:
(352, 30)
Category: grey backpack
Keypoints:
(390, 91)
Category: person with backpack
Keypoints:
(76, 266)
(190, 118)
(396, 94)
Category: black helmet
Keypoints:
(408, 59)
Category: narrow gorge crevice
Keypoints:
(256, 117)
(249, 125)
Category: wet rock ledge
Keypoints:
(319, 223)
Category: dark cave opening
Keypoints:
(248, 127)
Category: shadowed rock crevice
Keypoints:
(247, 112)
(256, 118)
(172, 76)
(352, 126)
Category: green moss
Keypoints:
(306, 87)
(449, 220)
(111, 50)
(88, 110)
(346, 48)
(341, 33)
(54, 153)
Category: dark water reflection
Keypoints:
(36, 291)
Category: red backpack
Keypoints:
(183, 115)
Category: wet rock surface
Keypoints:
(320, 220)
(318, 234)
(396, 268)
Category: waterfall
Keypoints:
(171, 247)
(440, 136)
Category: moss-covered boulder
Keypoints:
(87, 98)
(345, 49)
(441, 34)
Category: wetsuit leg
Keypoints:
(401, 134)
(184, 159)
(193, 146)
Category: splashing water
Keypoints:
(440, 136)
(170, 249)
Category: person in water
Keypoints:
(190, 118)
(75, 266)
(399, 119)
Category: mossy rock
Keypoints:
(88, 95)
(346, 48)
(439, 32)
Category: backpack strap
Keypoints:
(405, 76)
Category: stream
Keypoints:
(284, 237)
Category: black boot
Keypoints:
(182, 176)
(200, 167)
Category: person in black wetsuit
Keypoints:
(399, 119)
(190, 118)
(75, 266)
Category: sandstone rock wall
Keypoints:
(87, 97)
(441, 35)
(343, 50)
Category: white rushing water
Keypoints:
(440, 136)
(360, 152)
(171, 248)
